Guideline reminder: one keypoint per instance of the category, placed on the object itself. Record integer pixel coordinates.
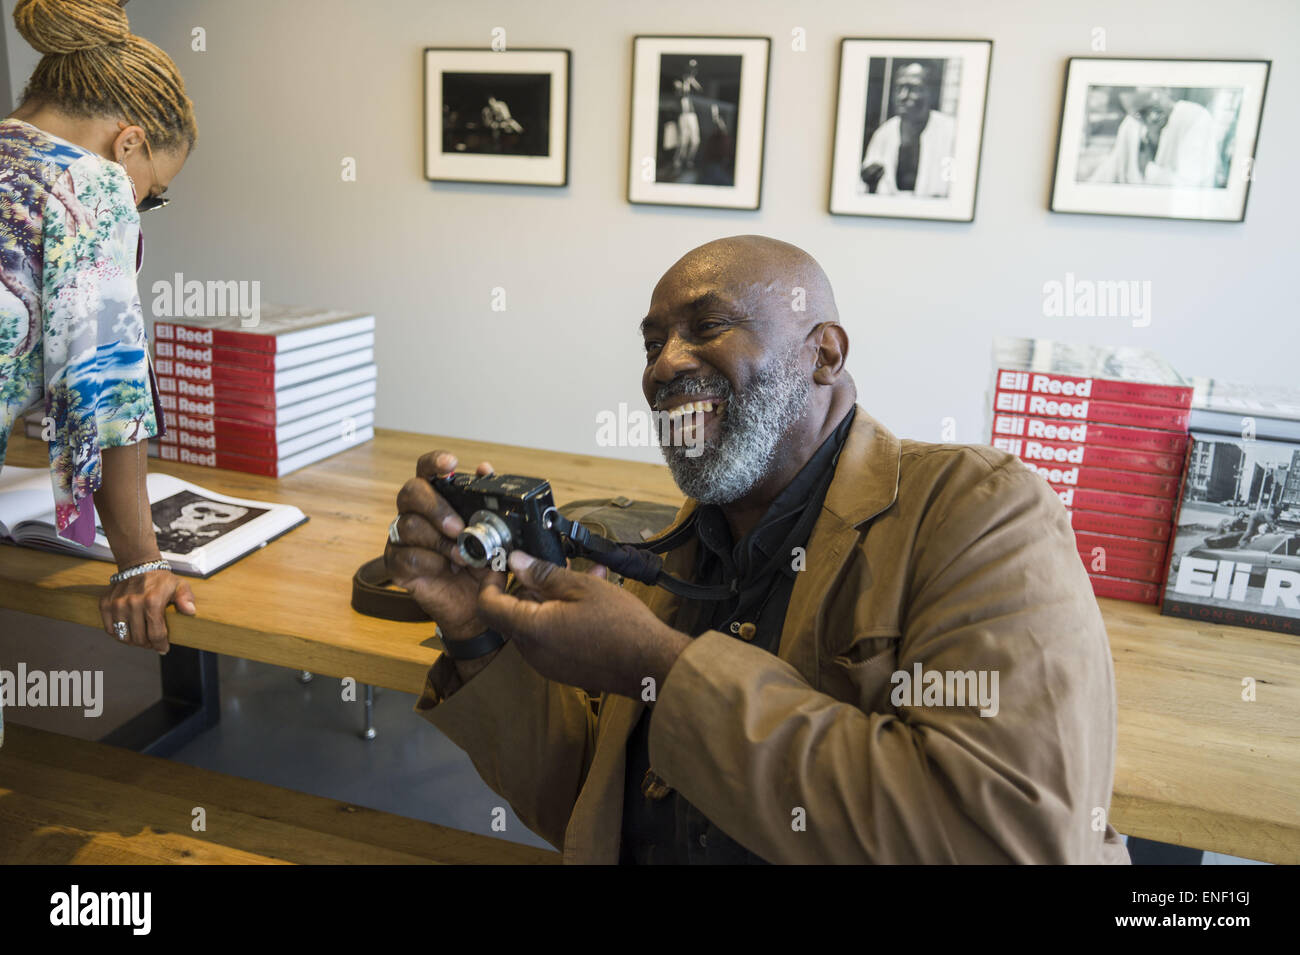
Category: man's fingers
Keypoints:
(551, 581)
(417, 496)
(435, 464)
(505, 612)
(416, 531)
(408, 563)
(106, 614)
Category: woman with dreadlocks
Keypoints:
(102, 129)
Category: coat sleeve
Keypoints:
(796, 775)
(530, 738)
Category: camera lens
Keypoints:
(484, 535)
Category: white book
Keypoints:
(353, 425)
(199, 531)
(312, 455)
(326, 366)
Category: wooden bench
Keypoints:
(65, 800)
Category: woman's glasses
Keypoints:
(151, 202)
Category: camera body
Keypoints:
(503, 512)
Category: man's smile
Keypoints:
(704, 413)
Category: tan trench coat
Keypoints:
(954, 557)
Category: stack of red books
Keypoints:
(1107, 429)
(295, 387)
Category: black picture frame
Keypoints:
(496, 58)
(758, 155)
(1061, 131)
(837, 187)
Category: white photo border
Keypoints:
(747, 191)
(850, 112)
(1160, 202)
(549, 170)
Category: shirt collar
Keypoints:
(715, 534)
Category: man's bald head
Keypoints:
(747, 328)
(757, 271)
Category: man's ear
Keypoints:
(832, 349)
(128, 140)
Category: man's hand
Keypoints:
(141, 602)
(871, 174)
(427, 562)
(582, 630)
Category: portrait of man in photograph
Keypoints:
(910, 153)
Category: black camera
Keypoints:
(503, 512)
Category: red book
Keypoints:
(266, 445)
(1119, 525)
(1103, 479)
(1112, 502)
(1119, 589)
(316, 414)
(1054, 384)
(271, 467)
(264, 361)
(219, 459)
(1084, 432)
(272, 329)
(1126, 567)
(174, 371)
(268, 408)
(1129, 548)
(1091, 455)
(1087, 409)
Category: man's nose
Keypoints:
(675, 357)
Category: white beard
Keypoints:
(740, 457)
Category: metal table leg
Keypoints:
(190, 704)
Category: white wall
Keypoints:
(287, 89)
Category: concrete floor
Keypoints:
(278, 731)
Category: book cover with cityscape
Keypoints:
(1235, 555)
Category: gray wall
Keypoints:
(287, 89)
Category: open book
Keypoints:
(199, 532)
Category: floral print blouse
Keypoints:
(71, 327)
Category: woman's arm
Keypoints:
(123, 505)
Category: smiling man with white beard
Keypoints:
(759, 727)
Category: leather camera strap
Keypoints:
(375, 594)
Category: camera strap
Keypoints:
(641, 562)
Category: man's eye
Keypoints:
(709, 325)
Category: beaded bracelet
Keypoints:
(138, 570)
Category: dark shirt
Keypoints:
(671, 830)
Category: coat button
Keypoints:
(747, 631)
(704, 841)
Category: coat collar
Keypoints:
(864, 485)
(866, 477)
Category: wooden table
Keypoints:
(1197, 766)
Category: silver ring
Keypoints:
(121, 630)
(393, 536)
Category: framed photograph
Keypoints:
(500, 117)
(699, 111)
(908, 128)
(1167, 139)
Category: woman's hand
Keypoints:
(141, 602)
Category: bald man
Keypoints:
(911, 666)
(906, 154)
